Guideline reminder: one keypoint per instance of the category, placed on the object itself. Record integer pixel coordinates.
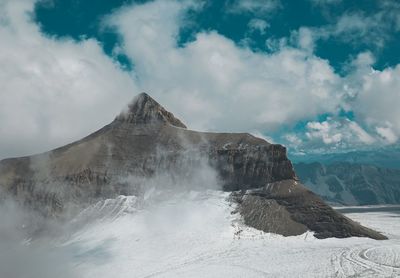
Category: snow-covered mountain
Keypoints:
(146, 149)
(145, 197)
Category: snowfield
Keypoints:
(199, 235)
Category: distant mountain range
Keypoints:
(385, 157)
(352, 183)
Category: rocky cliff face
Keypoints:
(145, 141)
(351, 184)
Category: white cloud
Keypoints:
(304, 38)
(252, 6)
(55, 91)
(378, 100)
(358, 27)
(225, 86)
(258, 25)
(258, 134)
(214, 84)
(293, 139)
(388, 134)
(52, 91)
(349, 28)
(360, 133)
(338, 133)
(325, 2)
(326, 131)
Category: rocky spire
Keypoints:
(144, 110)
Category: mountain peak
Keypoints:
(145, 110)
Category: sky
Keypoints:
(315, 75)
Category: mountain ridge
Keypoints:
(146, 141)
(384, 156)
(351, 183)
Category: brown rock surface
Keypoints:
(293, 209)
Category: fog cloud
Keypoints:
(20, 255)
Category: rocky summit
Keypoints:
(146, 141)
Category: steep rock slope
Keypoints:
(294, 209)
(146, 141)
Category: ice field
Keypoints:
(197, 235)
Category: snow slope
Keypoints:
(196, 235)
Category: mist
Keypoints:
(22, 256)
(163, 203)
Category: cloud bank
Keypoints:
(225, 86)
(52, 91)
(55, 91)
(214, 84)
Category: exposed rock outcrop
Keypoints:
(145, 110)
(146, 140)
(293, 210)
